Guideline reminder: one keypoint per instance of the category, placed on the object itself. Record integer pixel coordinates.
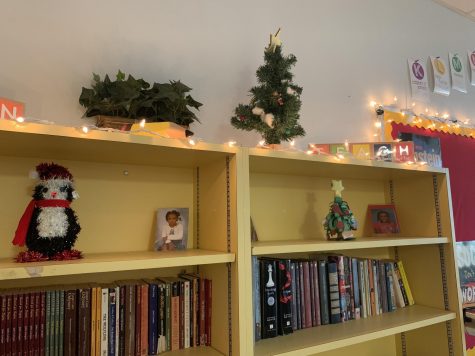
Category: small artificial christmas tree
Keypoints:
(339, 222)
(275, 103)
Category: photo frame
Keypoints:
(383, 219)
(172, 229)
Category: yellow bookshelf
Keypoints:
(288, 195)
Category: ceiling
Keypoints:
(463, 7)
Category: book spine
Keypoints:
(303, 301)
(390, 287)
(14, 326)
(342, 288)
(316, 294)
(144, 321)
(84, 322)
(372, 287)
(122, 318)
(256, 296)
(93, 325)
(111, 323)
(3, 323)
(42, 322)
(269, 298)
(168, 315)
(34, 326)
(368, 288)
(313, 320)
(52, 335)
(362, 285)
(8, 334)
(209, 300)
(356, 287)
(57, 314)
(190, 317)
(377, 287)
(405, 282)
(383, 287)
(152, 319)
(308, 296)
(187, 314)
(350, 299)
(130, 321)
(334, 292)
(99, 321)
(47, 323)
(401, 285)
(196, 311)
(175, 317)
(202, 312)
(324, 292)
(138, 319)
(19, 325)
(61, 323)
(294, 298)
(70, 324)
(284, 307)
(181, 289)
(298, 294)
(398, 286)
(162, 325)
(116, 321)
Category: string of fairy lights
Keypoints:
(437, 122)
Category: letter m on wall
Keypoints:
(10, 110)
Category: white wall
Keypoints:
(348, 52)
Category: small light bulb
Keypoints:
(377, 124)
(409, 163)
(403, 114)
(375, 135)
(191, 141)
(445, 116)
(340, 156)
(398, 140)
(292, 143)
(231, 143)
(372, 103)
(20, 119)
(436, 113)
(347, 145)
(142, 123)
(422, 163)
(413, 104)
(85, 129)
(427, 110)
(309, 152)
(262, 142)
(395, 99)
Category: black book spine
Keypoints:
(350, 302)
(284, 282)
(297, 293)
(335, 312)
(302, 297)
(383, 287)
(324, 293)
(269, 298)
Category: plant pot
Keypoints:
(115, 122)
(165, 129)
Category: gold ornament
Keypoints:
(274, 41)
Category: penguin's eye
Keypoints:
(45, 190)
(63, 189)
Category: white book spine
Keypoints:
(368, 289)
(117, 320)
(104, 321)
(187, 314)
(376, 287)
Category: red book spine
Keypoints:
(8, 334)
(14, 324)
(144, 321)
(209, 293)
(175, 317)
(42, 322)
(19, 334)
(138, 319)
(202, 312)
(3, 323)
(31, 329)
(37, 323)
(308, 299)
(26, 324)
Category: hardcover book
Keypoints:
(284, 307)
(294, 296)
(256, 298)
(269, 298)
(334, 292)
(324, 292)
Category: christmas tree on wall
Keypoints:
(275, 101)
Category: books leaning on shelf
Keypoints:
(130, 318)
(325, 289)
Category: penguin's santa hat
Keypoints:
(48, 171)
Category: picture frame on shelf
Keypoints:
(172, 229)
(383, 219)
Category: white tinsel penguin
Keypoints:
(49, 227)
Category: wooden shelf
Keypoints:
(330, 337)
(112, 262)
(295, 246)
(299, 163)
(37, 140)
(194, 351)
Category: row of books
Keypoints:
(126, 318)
(327, 289)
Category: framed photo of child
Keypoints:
(172, 229)
(383, 219)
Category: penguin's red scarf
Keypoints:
(22, 229)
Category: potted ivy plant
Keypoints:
(123, 102)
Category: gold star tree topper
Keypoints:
(337, 187)
(274, 41)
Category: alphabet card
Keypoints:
(10, 110)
